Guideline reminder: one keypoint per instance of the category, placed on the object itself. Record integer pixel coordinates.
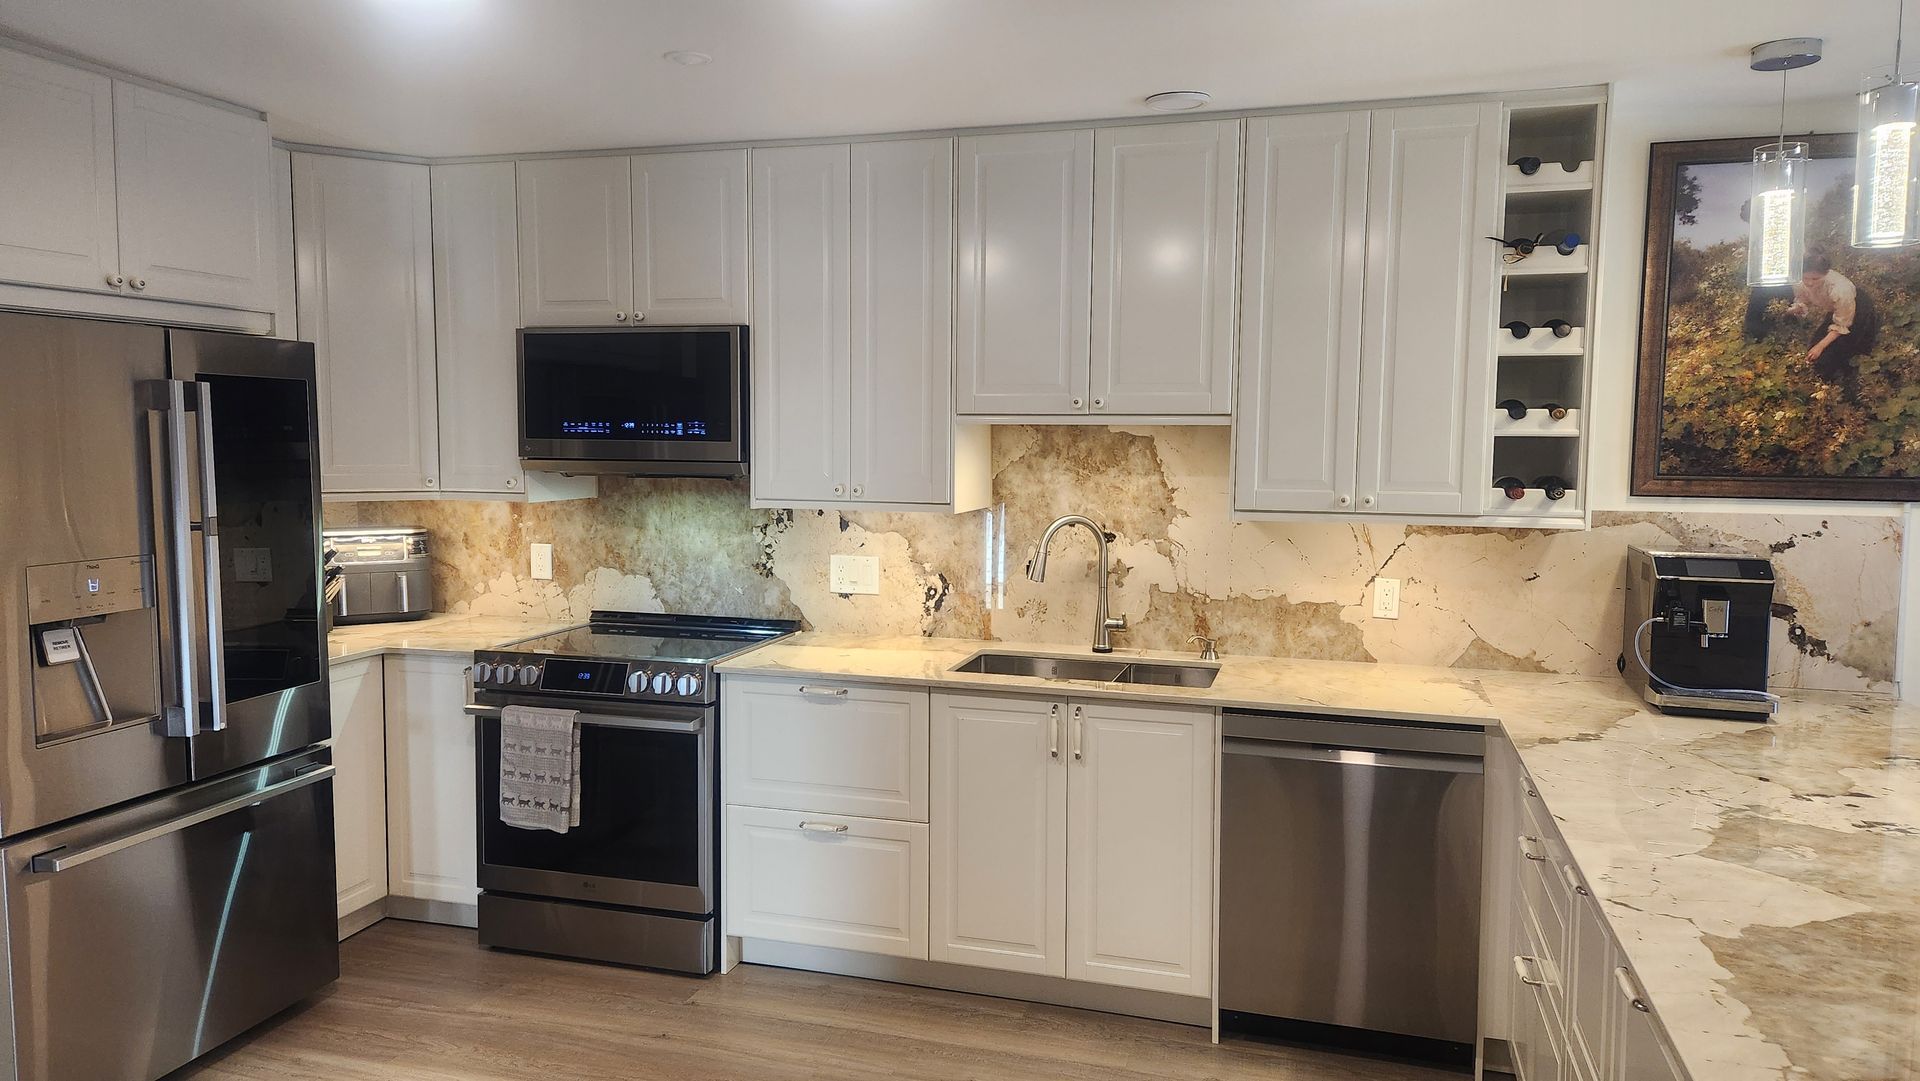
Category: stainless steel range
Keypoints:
(637, 880)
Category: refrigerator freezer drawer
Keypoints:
(142, 939)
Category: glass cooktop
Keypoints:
(649, 637)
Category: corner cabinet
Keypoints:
(1073, 838)
(852, 323)
(1367, 305)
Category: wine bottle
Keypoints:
(1553, 486)
(1513, 486)
(1528, 165)
(1560, 327)
(1518, 328)
(1516, 409)
(1556, 410)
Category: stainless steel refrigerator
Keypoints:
(166, 811)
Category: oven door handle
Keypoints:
(602, 720)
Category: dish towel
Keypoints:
(540, 768)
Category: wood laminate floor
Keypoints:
(423, 1003)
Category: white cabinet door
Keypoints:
(1304, 262)
(359, 784)
(476, 295)
(902, 340)
(827, 880)
(432, 851)
(824, 746)
(800, 401)
(690, 237)
(58, 224)
(286, 306)
(1025, 220)
(1140, 846)
(1166, 202)
(1639, 1049)
(576, 242)
(363, 239)
(195, 185)
(997, 882)
(1426, 363)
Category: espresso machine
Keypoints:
(1695, 637)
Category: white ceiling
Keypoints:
(450, 77)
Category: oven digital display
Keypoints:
(583, 677)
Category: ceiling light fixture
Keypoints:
(687, 58)
(1777, 216)
(1886, 164)
(1175, 101)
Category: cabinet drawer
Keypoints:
(822, 746)
(1591, 988)
(827, 880)
(1545, 897)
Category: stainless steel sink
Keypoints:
(1097, 669)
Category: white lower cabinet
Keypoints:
(827, 880)
(431, 845)
(826, 747)
(359, 784)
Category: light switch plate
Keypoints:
(1386, 598)
(542, 570)
(853, 574)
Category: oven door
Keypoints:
(646, 834)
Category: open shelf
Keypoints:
(1537, 424)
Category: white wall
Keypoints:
(1640, 115)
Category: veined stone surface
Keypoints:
(1530, 600)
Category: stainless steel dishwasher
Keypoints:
(1350, 881)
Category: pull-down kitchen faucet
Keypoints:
(1103, 624)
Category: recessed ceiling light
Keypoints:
(1174, 101)
(687, 58)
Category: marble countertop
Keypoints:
(438, 633)
(1764, 880)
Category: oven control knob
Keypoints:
(529, 675)
(482, 672)
(637, 683)
(504, 673)
(687, 685)
(663, 683)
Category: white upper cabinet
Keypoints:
(1304, 265)
(476, 292)
(58, 225)
(195, 200)
(801, 405)
(690, 237)
(1024, 291)
(1166, 203)
(364, 259)
(576, 241)
(902, 322)
(1425, 364)
(1366, 312)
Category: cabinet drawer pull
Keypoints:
(1631, 990)
(1573, 880)
(1078, 735)
(1523, 967)
(1053, 731)
(1527, 789)
(1526, 849)
(822, 827)
(824, 692)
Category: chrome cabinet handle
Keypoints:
(1079, 733)
(822, 827)
(1573, 880)
(60, 859)
(823, 692)
(1631, 990)
(1522, 966)
(1526, 849)
(1053, 731)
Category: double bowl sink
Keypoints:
(1094, 669)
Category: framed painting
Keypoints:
(1804, 391)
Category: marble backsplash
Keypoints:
(1477, 598)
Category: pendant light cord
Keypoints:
(1899, 32)
(1782, 144)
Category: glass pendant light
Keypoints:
(1777, 216)
(1886, 167)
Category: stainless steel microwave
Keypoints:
(638, 401)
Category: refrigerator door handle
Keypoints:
(176, 518)
(209, 527)
(61, 859)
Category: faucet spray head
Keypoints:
(1037, 566)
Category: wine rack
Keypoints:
(1540, 368)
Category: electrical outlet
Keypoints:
(542, 563)
(853, 574)
(1386, 598)
(253, 565)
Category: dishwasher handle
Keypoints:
(1430, 762)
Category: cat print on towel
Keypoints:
(539, 768)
